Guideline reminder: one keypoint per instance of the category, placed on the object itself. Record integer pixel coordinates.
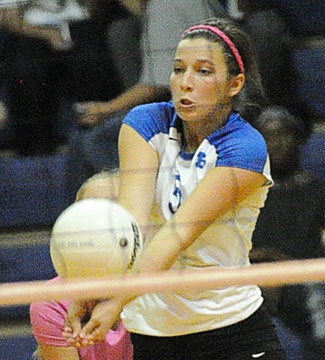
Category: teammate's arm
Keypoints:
(136, 95)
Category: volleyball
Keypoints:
(94, 238)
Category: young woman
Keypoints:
(199, 171)
(48, 318)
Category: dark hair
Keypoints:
(251, 99)
(284, 117)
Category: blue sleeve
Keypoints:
(149, 120)
(246, 150)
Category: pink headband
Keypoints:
(224, 37)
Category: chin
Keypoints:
(190, 115)
(188, 118)
(185, 115)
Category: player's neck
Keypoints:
(195, 132)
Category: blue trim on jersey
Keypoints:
(151, 119)
(237, 143)
(186, 155)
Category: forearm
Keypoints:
(154, 257)
(13, 20)
(196, 214)
(138, 94)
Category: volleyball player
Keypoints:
(199, 171)
(48, 318)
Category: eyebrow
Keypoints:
(200, 61)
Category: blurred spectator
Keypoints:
(91, 71)
(30, 78)
(295, 201)
(291, 224)
(53, 53)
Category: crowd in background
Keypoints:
(71, 70)
(59, 53)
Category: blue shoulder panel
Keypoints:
(150, 119)
(238, 144)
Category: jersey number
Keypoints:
(177, 196)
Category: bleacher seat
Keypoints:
(17, 347)
(306, 18)
(32, 195)
(309, 61)
(23, 257)
(32, 190)
(313, 155)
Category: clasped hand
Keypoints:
(104, 315)
(91, 113)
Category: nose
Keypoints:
(187, 83)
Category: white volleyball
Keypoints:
(94, 238)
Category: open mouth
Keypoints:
(186, 102)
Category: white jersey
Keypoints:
(226, 243)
